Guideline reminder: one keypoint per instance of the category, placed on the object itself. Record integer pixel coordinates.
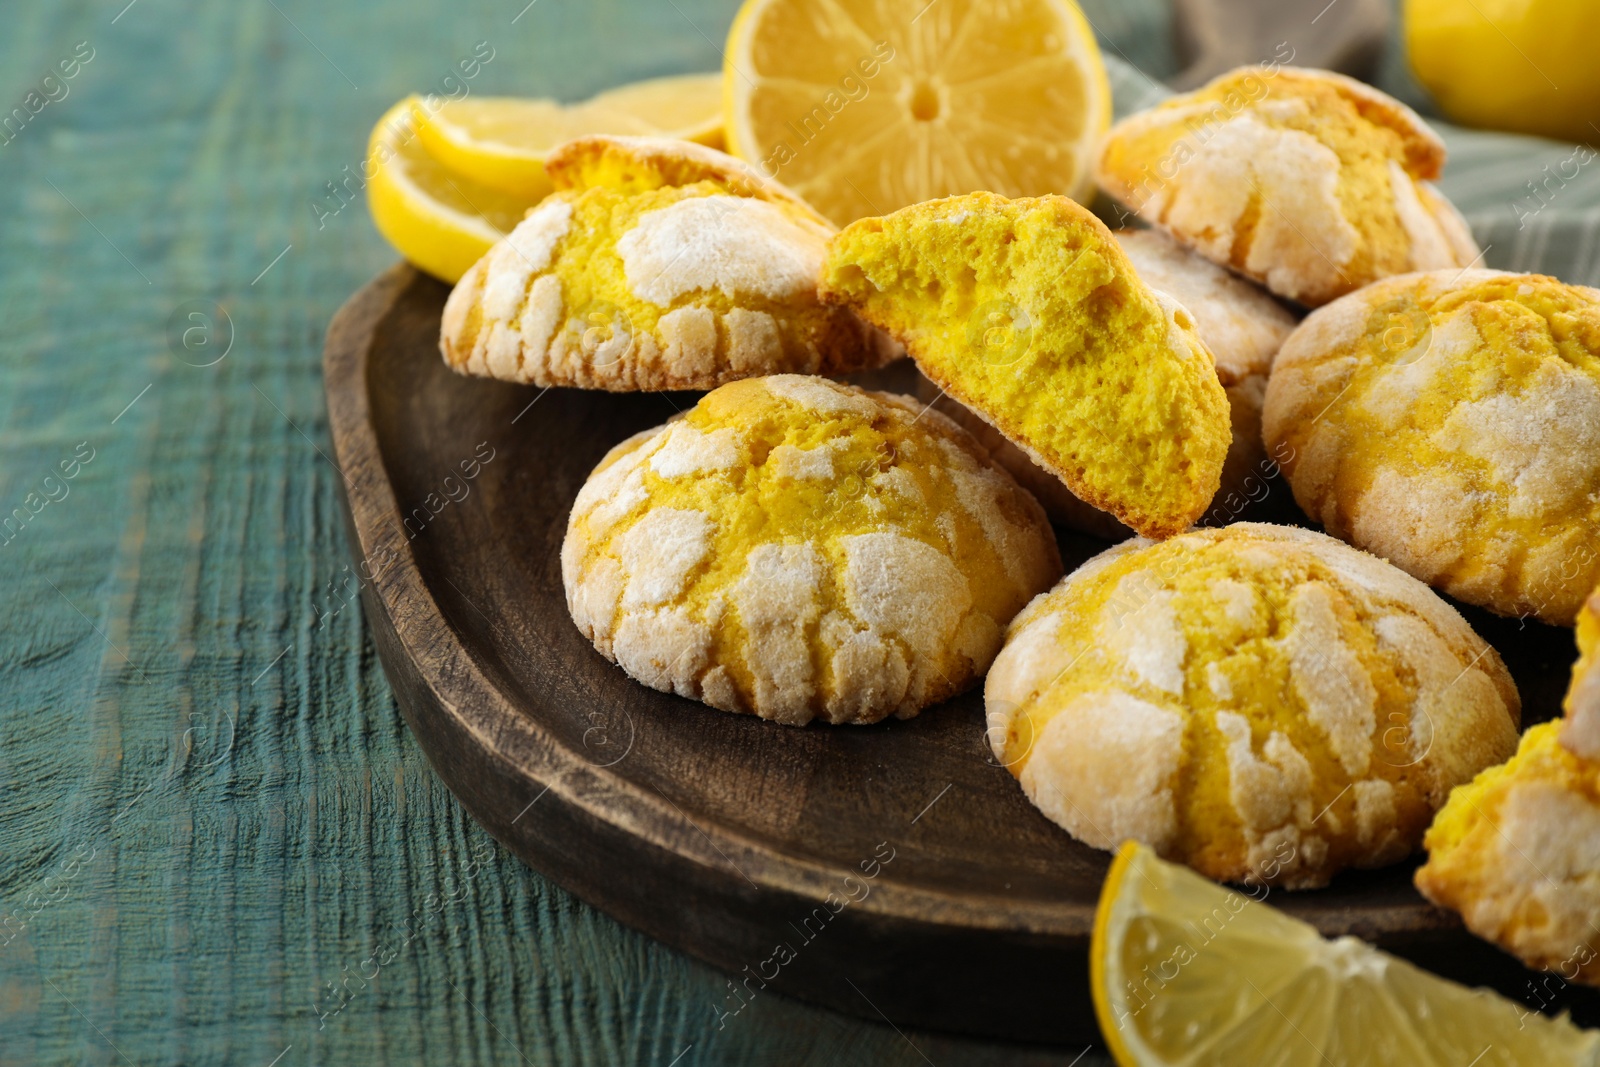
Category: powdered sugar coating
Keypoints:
(736, 246)
(655, 265)
(799, 549)
(1450, 422)
(1302, 707)
(1309, 182)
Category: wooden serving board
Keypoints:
(892, 871)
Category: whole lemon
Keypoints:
(1523, 65)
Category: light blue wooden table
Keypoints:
(218, 844)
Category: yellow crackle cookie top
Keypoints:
(798, 549)
(655, 265)
(1260, 702)
(1517, 853)
(1307, 181)
(643, 164)
(1450, 422)
(1029, 313)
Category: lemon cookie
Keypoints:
(1450, 422)
(1029, 313)
(654, 265)
(1260, 702)
(798, 549)
(1517, 853)
(1517, 850)
(643, 164)
(1309, 182)
(1242, 326)
(1051, 492)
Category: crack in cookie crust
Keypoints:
(1259, 702)
(799, 549)
(1450, 422)
(1306, 181)
(654, 265)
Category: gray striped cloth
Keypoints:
(1533, 204)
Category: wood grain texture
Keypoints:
(211, 807)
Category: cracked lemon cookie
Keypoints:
(796, 549)
(1450, 422)
(1517, 853)
(1262, 703)
(1310, 182)
(654, 265)
(1242, 326)
(1029, 313)
(1517, 850)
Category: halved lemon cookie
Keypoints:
(1029, 313)
(1242, 326)
(1262, 703)
(1307, 181)
(798, 549)
(1051, 492)
(654, 265)
(1450, 422)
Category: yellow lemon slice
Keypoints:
(1525, 65)
(502, 141)
(865, 108)
(1187, 972)
(443, 222)
(687, 107)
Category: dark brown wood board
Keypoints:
(955, 905)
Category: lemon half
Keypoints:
(865, 108)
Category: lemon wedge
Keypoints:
(502, 141)
(442, 222)
(865, 108)
(1187, 972)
